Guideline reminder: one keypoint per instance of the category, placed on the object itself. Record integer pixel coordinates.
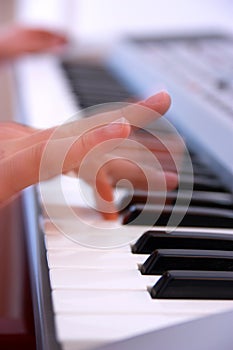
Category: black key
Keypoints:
(163, 260)
(201, 183)
(199, 198)
(153, 240)
(194, 285)
(223, 84)
(94, 84)
(198, 169)
(155, 215)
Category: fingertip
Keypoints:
(61, 40)
(160, 97)
(110, 216)
(159, 102)
(104, 196)
(171, 180)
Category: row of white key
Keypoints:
(94, 305)
(100, 296)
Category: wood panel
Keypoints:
(16, 315)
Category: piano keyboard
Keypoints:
(197, 71)
(158, 279)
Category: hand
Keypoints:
(64, 148)
(19, 40)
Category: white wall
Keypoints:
(104, 20)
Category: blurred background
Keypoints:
(97, 24)
(98, 21)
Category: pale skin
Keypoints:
(19, 40)
(22, 147)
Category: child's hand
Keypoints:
(28, 155)
(18, 40)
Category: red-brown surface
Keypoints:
(16, 317)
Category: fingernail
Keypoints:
(115, 126)
(121, 120)
(156, 99)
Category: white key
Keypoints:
(59, 241)
(95, 259)
(89, 331)
(49, 103)
(74, 278)
(130, 302)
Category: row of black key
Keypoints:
(211, 203)
(211, 206)
(192, 265)
(94, 84)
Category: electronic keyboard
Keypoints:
(110, 282)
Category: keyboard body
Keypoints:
(98, 297)
(197, 71)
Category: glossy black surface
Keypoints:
(153, 240)
(194, 285)
(162, 260)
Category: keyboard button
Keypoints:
(199, 198)
(153, 240)
(194, 285)
(201, 183)
(99, 259)
(93, 302)
(181, 259)
(156, 215)
(99, 279)
(93, 84)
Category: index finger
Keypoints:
(138, 114)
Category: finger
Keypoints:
(14, 130)
(38, 37)
(159, 102)
(49, 36)
(141, 177)
(136, 153)
(159, 142)
(19, 126)
(137, 114)
(167, 149)
(153, 159)
(104, 197)
(45, 160)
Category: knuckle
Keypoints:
(84, 142)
